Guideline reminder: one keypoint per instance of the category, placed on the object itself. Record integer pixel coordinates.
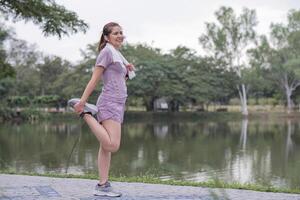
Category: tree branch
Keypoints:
(52, 18)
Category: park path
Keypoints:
(19, 187)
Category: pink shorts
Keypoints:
(109, 109)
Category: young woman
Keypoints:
(113, 68)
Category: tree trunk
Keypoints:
(243, 99)
(149, 104)
(288, 93)
(174, 106)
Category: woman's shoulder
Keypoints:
(106, 50)
(105, 53)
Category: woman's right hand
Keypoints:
(79, 107)
(130, 67)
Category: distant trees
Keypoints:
(20, 70)
(239, 63)
(279, 57)
(181, 77)
(228, 42)
(7, 72)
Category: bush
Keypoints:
(48, 101)
(18, 101)
(9, 114)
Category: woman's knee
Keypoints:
(113, 129)
(115, 148)
(112, 147)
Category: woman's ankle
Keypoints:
(101, 183)
(88, 116)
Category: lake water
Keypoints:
(264, 151)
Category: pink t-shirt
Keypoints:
(114, 84)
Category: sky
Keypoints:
(163, 24)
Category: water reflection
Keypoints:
(289, 142)
(243, 138)
(161, 130)
(243, 162)
(265, 152)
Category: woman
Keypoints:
(113, 68)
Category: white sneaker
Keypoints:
(106, 190)
(88, 108)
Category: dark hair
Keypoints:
(105, 32)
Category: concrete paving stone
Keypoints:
(17, 187)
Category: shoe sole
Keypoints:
(87, 107)
(107, 194)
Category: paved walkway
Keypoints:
(17, 187)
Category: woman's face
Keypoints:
(116, 37)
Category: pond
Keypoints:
(264, 151)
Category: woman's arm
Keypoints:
(97, 73)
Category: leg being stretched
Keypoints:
(108, 134)
(98, 130)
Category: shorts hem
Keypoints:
(110, 118)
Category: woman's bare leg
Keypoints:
(104, 158)
(114, 130)
(108, 134)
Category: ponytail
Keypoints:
(102, 43)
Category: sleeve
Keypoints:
(104, 59)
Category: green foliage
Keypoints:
(22, 101)
(47, 100)
(49, 70)
(278, 59)
(27, 114)
(7, 72)
(227, 42)
(180, 76)
(53, 19)
(72, 81)
(259, 85)
(5, 86)
(150, 70)
(228, 39)
(25, 60)
(293, 66)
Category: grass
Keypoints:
(155, 180)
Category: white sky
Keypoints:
(163, 24)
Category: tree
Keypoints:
(194, 79)
(7, 72)
(52, 18)
(149, 64)
(258, 75)
(288, 50)
(176, 66)
(49, 71)
(280, 56)
(229, 41)
(72, 81)
(25, 59)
